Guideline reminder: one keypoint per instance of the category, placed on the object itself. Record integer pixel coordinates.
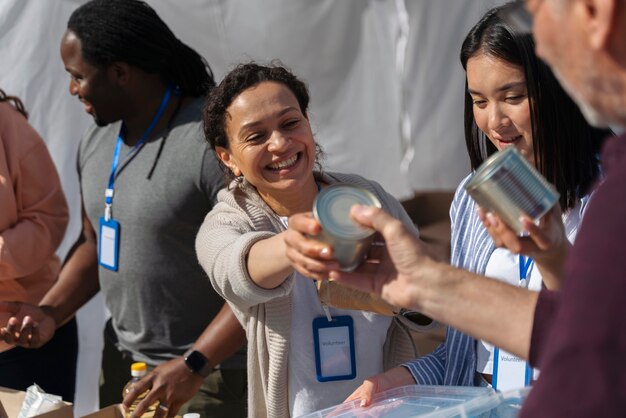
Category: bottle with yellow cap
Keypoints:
(137, 372)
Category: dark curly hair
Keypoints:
(131, 31)
(15, 101)
(236, 82)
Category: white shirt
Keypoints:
(306, 394)
(504, 266)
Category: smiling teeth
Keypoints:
(284, 164)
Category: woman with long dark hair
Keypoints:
(512, 99)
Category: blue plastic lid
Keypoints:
(332, 209)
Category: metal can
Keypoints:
(508, 185)
(349, 240)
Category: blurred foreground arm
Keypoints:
(405, 275)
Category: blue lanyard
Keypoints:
(108, 194)
(524, 267)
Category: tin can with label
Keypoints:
(349, 240)
(508, 185)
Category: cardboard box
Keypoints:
(113, 411)
(11, 403)
(430, 212)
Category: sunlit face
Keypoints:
(500, 103)
(88, 82)
(562, 43)
(270, 141)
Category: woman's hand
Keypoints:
(546, 243)
(398, 376)
(311, 258)
(29, 326)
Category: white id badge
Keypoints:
(334, 348)
(108, 244)
(509, 371)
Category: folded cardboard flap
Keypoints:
(11, 403)
(430, 212)
(3, 413)
(115, 411)
(112, 411)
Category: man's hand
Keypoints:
(29, 326)
(392, 378)
(171, 385)
(396, 271)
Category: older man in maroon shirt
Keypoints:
(577, 337)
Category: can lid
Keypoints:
(332, 209)
(138, 369)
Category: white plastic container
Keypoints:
(417, 401)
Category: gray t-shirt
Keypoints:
(160, 298)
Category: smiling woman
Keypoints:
(256, 120)
(272, 146)
(500, 99)
(512, 100)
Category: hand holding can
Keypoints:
(508, 185)
(350, 241)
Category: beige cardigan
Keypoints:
(240, 219)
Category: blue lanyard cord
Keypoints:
(524, 267)
(108, 194)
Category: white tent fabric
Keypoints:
(384, 76)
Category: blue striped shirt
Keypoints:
(454, 361)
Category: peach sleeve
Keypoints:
(33, 220)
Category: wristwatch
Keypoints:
(197, 363)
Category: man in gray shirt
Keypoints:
(147, 180)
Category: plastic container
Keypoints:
(138, 371)
(432, 402)
(416, 401)
(509, 405)
(349, 240)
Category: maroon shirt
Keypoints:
(579, 334)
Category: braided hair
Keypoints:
(15, 101)
(130, 31)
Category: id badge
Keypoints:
(509, 371)
(334, 348)
(108, 244)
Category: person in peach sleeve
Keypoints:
(33, 219)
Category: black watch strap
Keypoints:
(197, 363)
